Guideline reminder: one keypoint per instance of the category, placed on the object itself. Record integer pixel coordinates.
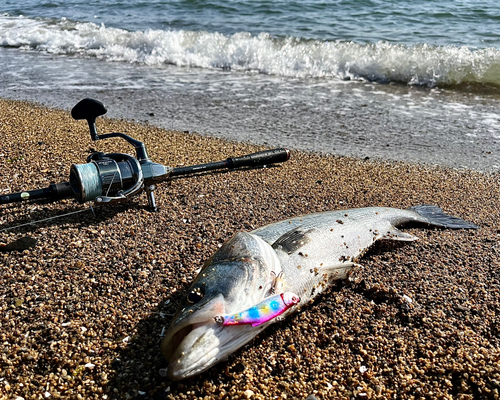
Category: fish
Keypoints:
(301, 256)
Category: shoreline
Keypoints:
(83, 311)
(436, 126)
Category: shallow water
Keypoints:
(358, 78)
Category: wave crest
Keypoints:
(384, 62)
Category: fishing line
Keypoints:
(111, 183)
(49, 219)
(88, 175)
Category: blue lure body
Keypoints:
(264, 311)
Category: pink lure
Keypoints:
(264, 311)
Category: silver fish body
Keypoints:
(300, 255)
(238, 276)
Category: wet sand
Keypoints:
(82, 313)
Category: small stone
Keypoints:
(238, 368)
(407, 299)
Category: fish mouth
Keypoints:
(191, 343)
(196, 343)
(192, 349)
(169, 346)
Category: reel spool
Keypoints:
(106, 178)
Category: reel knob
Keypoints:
(89, 109)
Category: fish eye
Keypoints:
(195, 295)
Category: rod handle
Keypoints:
(56, 191)
(261, 158)
(59, 191)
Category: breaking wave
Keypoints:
(384, 62)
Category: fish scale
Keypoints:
(299, 256)
(332, 242)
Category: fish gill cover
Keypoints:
(382, 61)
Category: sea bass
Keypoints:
(298, 257)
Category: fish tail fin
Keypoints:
(435, 216)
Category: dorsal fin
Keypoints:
(238, 246)
(292, 240)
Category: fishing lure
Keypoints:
(266, 310)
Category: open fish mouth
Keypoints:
(197, 342)
(169, 346)
(192, 341)
(193, 348)
(197, 347)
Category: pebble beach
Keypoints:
(83, 312)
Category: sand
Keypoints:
(82, 313)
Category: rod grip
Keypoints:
(59, 191)
(56, 191)
(261, 158)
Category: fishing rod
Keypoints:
(109, 178)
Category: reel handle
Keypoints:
(89, 109)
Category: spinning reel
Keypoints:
(113, 177)
(109, 178)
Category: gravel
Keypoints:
(82, 313)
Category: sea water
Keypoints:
(403, 80)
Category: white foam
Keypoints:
(288, 57)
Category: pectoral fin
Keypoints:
(395, 234)
(292, 240)
(340, 271)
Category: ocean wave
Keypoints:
(384, 62)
